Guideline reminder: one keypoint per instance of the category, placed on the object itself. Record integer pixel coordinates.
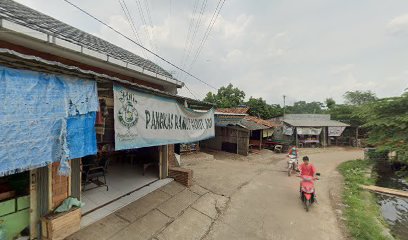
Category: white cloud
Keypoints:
(341, 69)
(308, 51)
(399, 25)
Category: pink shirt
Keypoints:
(308, 170)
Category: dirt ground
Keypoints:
(264, 201)
(234, 197)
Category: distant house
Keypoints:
(309, 129)
(237, 132)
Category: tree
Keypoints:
(301, 107)
(359, 97)
(259, 108)
(330, 103)
(345, 113)
(226, 97)
(387, 123)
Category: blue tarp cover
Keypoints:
(44, 118)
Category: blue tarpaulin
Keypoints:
(44, 118)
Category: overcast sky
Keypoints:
(307, 50)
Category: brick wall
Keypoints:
(60, 186)
(171, 157)
(182, 175)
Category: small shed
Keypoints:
(310, 129)
(236, 132)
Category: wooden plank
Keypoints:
(390, 191)
(33, 204)
(50, 178)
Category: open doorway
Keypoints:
(114, 174)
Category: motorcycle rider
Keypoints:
(306, 169)
(293, 153)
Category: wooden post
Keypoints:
(296, 135)
(34, 216)
(260, 138)
(160, 162)
(237, 140)
(50, 179)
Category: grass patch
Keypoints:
(362, 213)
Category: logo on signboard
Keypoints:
(127, 114)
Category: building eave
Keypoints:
(20, 35)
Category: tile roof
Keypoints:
(237, 110)
(22, 15)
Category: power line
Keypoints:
(197, 26)
(131, 22)
(133, 41)
(194, 96)
(142, 17)
(207, 33)
(190, 27)
(149, 15)
(149, 18)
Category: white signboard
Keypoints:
(335, 131)
(308, 131)
(143, 120)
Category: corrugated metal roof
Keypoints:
(227, 120)
(252, 125)
(25, 16)
(314, 123)
(261, 121)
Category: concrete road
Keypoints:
(264, 201)
(234, 197)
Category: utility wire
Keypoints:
(131, 22)
(194, 96)
(142, 17)
(207, 33)
(190, 27)
(149, 18)
(140, 45)
(191, 46)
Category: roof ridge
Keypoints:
(33, 19)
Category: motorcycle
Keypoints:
(292, 164)
(307, 190)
